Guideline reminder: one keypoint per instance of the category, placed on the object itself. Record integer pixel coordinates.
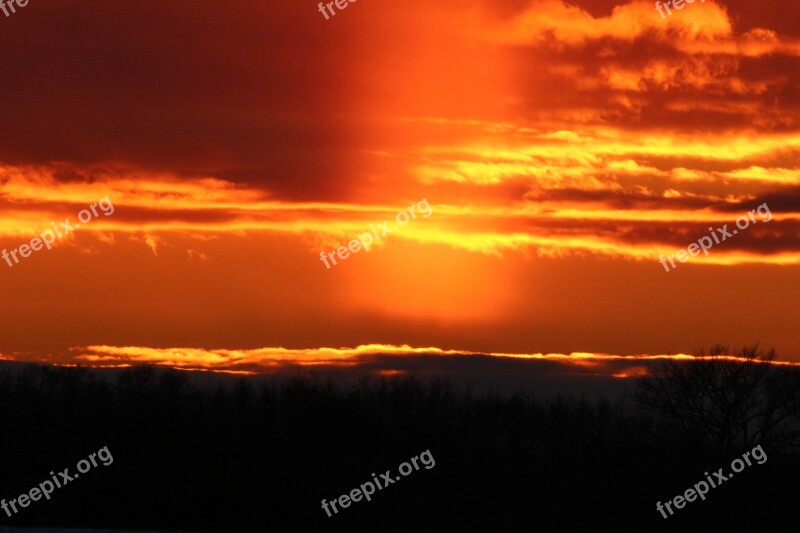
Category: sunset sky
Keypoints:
(562, 147)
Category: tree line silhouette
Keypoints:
(242, 454)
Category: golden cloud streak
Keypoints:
(177, 207)
(703, 28)
(266, 360)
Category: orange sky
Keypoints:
(562, 148)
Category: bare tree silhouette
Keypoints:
(722, 403)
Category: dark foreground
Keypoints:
(248, 456)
